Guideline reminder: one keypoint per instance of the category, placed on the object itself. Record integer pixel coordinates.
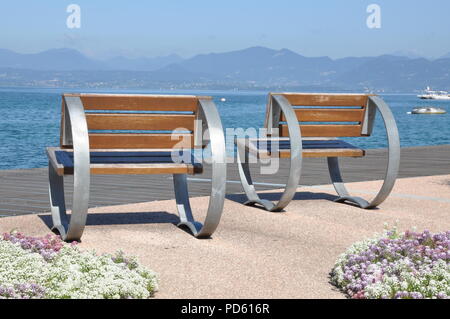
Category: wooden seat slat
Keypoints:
(306, 144)
(140, 153)
(156, 122)
(327, 115)
(325, 130)
(310, 148)
(127, 163)
(318, 99)
(320, 153)
(144, 169)
(66, 158)
(139, 141)
(138, 102)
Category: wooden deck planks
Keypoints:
(26, 191)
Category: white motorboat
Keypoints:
(428, 110)
(429, 94)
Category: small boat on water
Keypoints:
(428, 110)
(429, 94)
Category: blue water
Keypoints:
(30, 119)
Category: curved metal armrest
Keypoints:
(78, 130)
(393, 149)
(278, 104)
(73, 229)
(219, 168)
(209, 113)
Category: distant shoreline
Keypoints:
(155, 90)
(252, 68)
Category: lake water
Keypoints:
(30, 119)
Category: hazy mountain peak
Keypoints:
(7, 51)
(172, 56)
(257, 48)
(410, 54)
(62, 51)
(143, 63)
(285, 52)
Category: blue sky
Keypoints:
(335, 28)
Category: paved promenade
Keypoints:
(26, 191)
(254, 253)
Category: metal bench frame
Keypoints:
(71, 229)
(279, 101)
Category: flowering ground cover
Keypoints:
(47, 267)
(396, 265)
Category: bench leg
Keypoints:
(391, 170)
(184, 205)
(344, 196)
(213, 214)
(70, 229)
(57, 202)
(339, 186)
(249, 188)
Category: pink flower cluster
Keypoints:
(47, 246)
(22, 291)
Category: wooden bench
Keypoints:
(135, 134)
(308, 125)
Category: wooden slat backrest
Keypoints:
(327, 115)
(124, 121)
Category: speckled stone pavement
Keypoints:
(254, 253)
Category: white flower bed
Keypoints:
(70, 273)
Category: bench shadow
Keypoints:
(131, 218)
(275, 196)
(241, 198)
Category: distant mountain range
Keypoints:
(69, 60)
(252, 68)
